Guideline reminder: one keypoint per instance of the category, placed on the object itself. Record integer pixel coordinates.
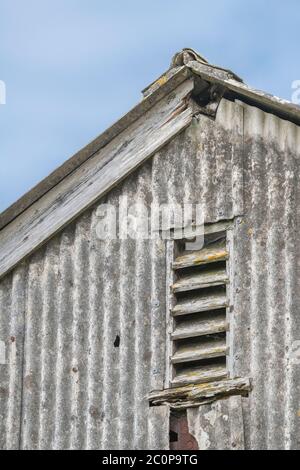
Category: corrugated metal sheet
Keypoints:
(79, 391)
(267, 281)
(65, 385)
(205, 164)
(218, 426)
(74, 389)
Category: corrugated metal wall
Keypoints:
(218, 426)
(66, 385)
(267, 281)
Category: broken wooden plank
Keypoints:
(210, 254)
(200, 393)
(95, 177)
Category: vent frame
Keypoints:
(173, 251)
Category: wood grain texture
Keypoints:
(207, 255)
(171, 81)
(95, 177)
(200, 374)
(205, 324)
(200, 303)
(193, 395)
(202, 350)
(201, 280)
(282, 108)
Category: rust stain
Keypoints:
(3, 392)
(213, 257)
(29, 382)
(180, 108)
(94, 412)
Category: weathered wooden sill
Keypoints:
(199, 394)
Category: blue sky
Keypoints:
(73, 67)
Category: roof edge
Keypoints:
(184, 64)
(170, 81)
(93, 179)
(269, 103)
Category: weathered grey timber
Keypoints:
(200, 394)
(93, 179)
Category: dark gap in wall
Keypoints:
(117, 341)
(179, 428)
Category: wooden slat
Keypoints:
(204, 325)
(192, 394)
(200, 303)
(201, 280)
(211, 254)
(95, 177)
(198, 351)
(200, 374)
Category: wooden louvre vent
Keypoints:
(199, 320)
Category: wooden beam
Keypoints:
(173, 80)
(96, 177)
(201, 394)
(283, 108)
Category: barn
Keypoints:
(150, 286)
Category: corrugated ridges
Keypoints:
(267, 281)
(219, 426)
(204, 164)
(78, 294)
(79, 390)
